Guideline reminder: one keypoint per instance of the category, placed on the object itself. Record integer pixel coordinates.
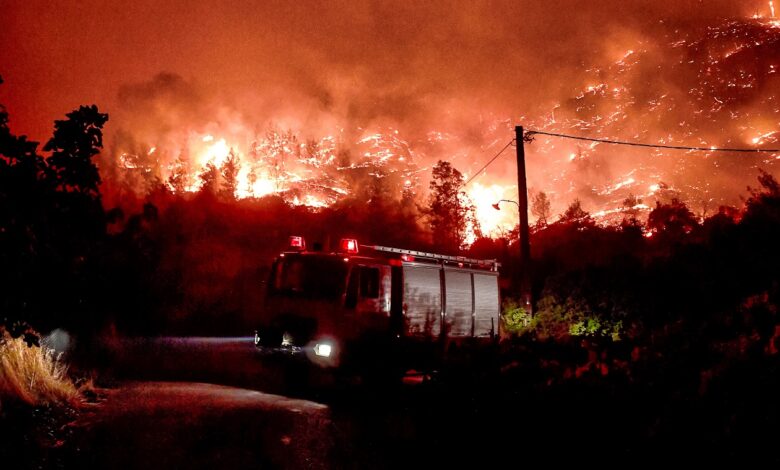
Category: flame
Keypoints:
(216, 153)
(721, 81)
(492, 221)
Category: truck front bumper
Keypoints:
(323, 352)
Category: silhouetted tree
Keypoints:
(209, 179)
(78, 212)
(576, 215)
(76, 141)
(769, 186)
(630, 211)
(76, 219)
(179, 180)
(52, 224)
(229, 172)
(540, 208)
(673, 220)
(23, 199)
(448, 207)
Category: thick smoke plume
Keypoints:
(426, 81)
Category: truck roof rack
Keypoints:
(460, 260)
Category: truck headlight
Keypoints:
(322, 349)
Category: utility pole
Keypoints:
(525, 244)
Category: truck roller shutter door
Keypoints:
(422, 298)
(486, 305)
(458, 300)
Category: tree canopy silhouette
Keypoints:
(540, 208)
(449, 211)
(52, 222)
(76, 141)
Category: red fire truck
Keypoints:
(365, 305)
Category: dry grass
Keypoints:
(33, 375)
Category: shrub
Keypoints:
(596, 327)
(515, 317)
(32, 374)
(559, 320)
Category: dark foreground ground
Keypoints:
(214, 403)
(199, 425)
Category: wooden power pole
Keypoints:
(522, 202)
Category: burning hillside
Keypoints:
(713, 87)
(717, 89)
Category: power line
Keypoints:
(480, 170)
(528, 137)
(489, 162)
(658, 146)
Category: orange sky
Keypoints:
(358, 60)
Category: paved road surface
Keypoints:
(149, 425)
(166, 412)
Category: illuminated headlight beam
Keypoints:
(322, 349)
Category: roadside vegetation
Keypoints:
(38, 400)
(33, 375)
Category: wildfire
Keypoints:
(215, 153)
(493, 221)
(711, 90)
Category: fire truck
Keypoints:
(372, 306)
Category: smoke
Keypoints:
(441, 80)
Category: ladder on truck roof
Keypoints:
(460, 260)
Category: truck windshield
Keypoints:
(313, 277)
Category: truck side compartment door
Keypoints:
(459, 303)
(422, 301)
(486, 305)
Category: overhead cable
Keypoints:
(531, 133)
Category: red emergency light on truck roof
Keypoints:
(348, 245)
(297, 243)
